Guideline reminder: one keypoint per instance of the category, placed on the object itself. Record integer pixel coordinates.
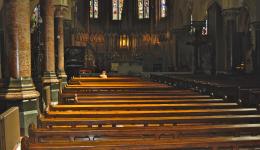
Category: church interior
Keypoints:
(129, 74)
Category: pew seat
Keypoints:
(177, 144)
(146, 121)
(37, 135)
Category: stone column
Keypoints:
(196, 43)
(256, 50)
(59, 14)
(182, 48)
(49, 78)
(230, 29)
(17, 88)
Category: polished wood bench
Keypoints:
(115, 88)
(143, 97)
(37, 135)
(86, 97)
(128, 121)
(196, 143)
(146, 121)
(148, 101)
(150, 113)
(143, 106)
(140, 92)
(222, 86)
(121, 83)
(69, 93)
(109, 79)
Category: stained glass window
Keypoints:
(93, 8)
(143, 9)
(36, 18)
(163, 9)
(117, 9)
(205, 29)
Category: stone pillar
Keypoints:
(49, 78)
(59, 14)
(17, 88)
(256, 50)
(215, 36)
(197, 42)
(184, 51)
(230, 29)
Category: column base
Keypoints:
(50, 84)
(63, 78)
(20, 92)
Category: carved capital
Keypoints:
(60, 11)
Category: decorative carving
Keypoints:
(83, 38)
(152, 39)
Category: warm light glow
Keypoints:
(124, 41)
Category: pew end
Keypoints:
(25, 143)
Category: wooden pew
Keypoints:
(144, 106)
(83, 101)
(88, 97)
(116, 88)
(119, 107)
(246, 97)
(221, 86)
(195, 143)
(153, 92)
(67, 93)
(146, 121)
(109, 79)
(220, 90)
(149, 101)
(150, 113)
(37, 135)
(130, 84)
(143, 97)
